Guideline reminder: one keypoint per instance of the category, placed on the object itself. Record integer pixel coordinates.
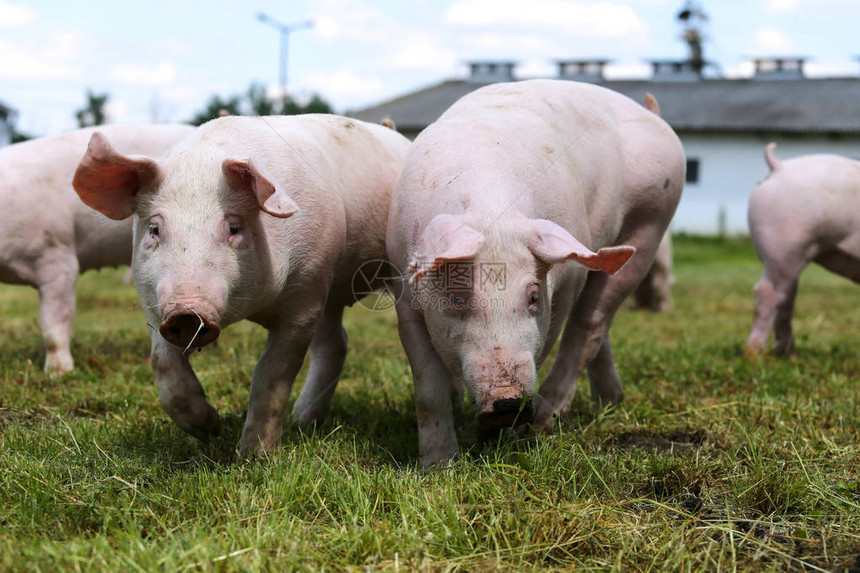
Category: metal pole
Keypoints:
(285, 40)
(284, 30)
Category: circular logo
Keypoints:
(374, 285)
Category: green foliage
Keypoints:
(93, 112)
(16, 136)
(256, 102)
(714, 462)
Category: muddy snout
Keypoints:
(504, 407)
(184, 326)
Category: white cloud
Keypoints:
(796, 5)
(15, 15)
(344, 86)
(628, 71)
(831, 69)
(21, 66)
(515, 45)
(161, 74)
(744, 69)
(350, 20)
(771, 41)
(540, 68)
(782, 5)
(423, 52)
(53, 58)
(585, 19)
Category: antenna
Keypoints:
(693, 19)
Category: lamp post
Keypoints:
(285, 30)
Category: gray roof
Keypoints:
(828, 105)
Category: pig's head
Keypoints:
(486, 296)
(197, 219)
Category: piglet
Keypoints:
(518, 210)
(259, 218)
(806, 210)
(50, 236)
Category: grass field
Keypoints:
(714, 463)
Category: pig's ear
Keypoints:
(552, 244)
(446, 238)
(108, 181)
(249, 177)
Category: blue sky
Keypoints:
(161, 60)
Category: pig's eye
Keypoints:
(153, 230)
(533, 299)
(234, 228)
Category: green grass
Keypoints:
(714, 463)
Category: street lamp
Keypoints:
(285, 30)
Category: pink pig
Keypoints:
(805, 210)
(264, 218)
(655, 291)
(503, 206)
(50, 236)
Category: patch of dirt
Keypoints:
(677, 441)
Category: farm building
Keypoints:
(724, 124)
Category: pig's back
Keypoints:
(346, 168)
(817, 195)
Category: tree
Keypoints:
(260, 103)
(16, 136)
(216, 108)
(256, 102)
(10, 118)
(93, 113)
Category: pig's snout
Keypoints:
(505, 410)
(184, 328)
(501, 382)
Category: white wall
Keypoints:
(730, 165)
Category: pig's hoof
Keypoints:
(255, 446)
(307, 419)
(438, 461)
(752, 352)
(506, 412)
(56, 366)
(209, 428)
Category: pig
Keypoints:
(259, 218)
(50, 236)
(806, 210)
(654, 292)
(503, 207)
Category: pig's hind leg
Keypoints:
(775, 294)
(328, 353)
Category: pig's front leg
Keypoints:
(585, 338)
(271, 383)
(56, 278)
(437, 438)
(328, 353)
(180, 392)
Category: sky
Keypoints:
(161, 60)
